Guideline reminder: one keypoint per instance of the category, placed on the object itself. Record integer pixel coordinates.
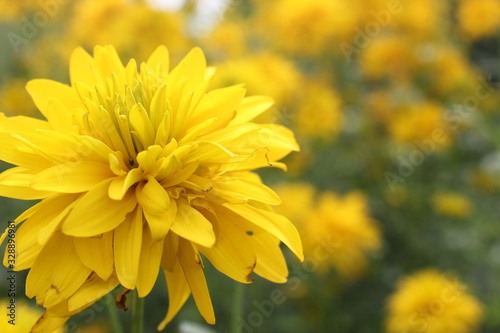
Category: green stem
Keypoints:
(137, 313)
(114, 318)
(238, 305)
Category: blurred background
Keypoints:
(396, 106)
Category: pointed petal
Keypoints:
(97, 253)
(232, 253)
(120, 185)
(99, 211)
(238, 190)
(16, 183)
(57, 272)
(196, 280)
(74, 177)
(178, 293)
(275, 224)
(192, 225)
(149, 263)
(92, 290)
(42, 90)
(80, 67)
(127, 249)
(251, 107)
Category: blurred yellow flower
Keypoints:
(422, 19)
(137, 169)
(263, 73)
(297, 200)
(420, 122)
(449, 70)
(22, 317)
(345, 224)
(393, 50)
(479, 18)
(13, 10)
(452, 204)
(132, 27)
(318, 112)
(228, 38)
(308, 27)
(14, 100)
(430, 302)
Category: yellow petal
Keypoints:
(219, 103)
(208, 152)
(74, 177)
(192, 225)
(97, 253)
(16, 183)
(170, 248)
(108, 63)
(178, 293)
(127, 249)
(191, 68)
(275, 224)
(92, 290)
(48, 323)
(42, 90)
(152, 197)
(39, 227)
(237, 190)
(159, 61)
(20, 124)
(120, 185)
(59, 116)
(96, 213)
(232, 253)
(57, 272)
(196, 280)
(149, 263)
(16, 152)
(251, 107)
(80, 67)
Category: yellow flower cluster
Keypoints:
(341, 222)
(479, 18)
(431, 302)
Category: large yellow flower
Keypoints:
(431, 302)
(137, 170)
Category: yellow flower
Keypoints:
(420, 122)
(430, 302)
(139, 169)
(308, 27)
(228, 39)
(422, 19)
(297, 200)
(24, 317)
(479, 18)
(13, 10)
(388, 50)
(451, 204)
(449, 70)
(14, 99)
(264, 73)
(131, 26)
(319, 112)
(345, 224)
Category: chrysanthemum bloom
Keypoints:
(137, 170)
(431, 302)
(342, 226)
